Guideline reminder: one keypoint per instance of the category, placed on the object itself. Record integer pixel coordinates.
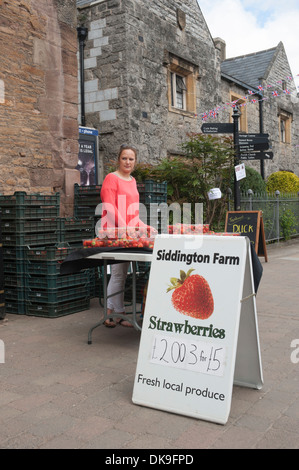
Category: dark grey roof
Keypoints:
(249, 69)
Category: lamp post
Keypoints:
(237, 198)
(82, 34)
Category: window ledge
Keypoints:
(182, 112)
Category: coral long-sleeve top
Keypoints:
(120, 202)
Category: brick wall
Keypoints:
(38, 96)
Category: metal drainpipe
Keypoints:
(82, 34)
(262, 165)
(237, 196)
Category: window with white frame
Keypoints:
(178, 91)
(182, 79)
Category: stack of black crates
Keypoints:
(2, 300)
(34, 241)
(151, 194)
(86, 200)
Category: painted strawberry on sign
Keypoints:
(192, 295)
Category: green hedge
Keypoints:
(283, 181)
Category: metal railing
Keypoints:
(280, 212)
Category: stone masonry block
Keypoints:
(97, 24)
(96, 34)
(109, 115)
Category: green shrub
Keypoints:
(205, 162)
(288, 223)
(283, 181)
(253, 181)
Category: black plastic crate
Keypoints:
(87, 190)
(21, 198)
(2, 311)
(142, 276)
(49, 253)
(14, 280)
(86, 199)
(152, 192)
(57, 295)
(31, 239)
(57, 309)
(1, 268)
(69, 224)
(152, 198)
(151, 215)
(151, 186)
(74, 230)
(29, 212)
(35, 268)
(25, 226)
(2, 298)
(14, 267)
(84, 212)
(16, 307)
(13, 253)
(57, 281)
(15, 294)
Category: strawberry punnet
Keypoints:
(192, 295)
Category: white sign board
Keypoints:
(199, 288)
(240, 171)
(214, 193)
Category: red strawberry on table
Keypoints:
(192, 295)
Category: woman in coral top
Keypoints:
(120, 203)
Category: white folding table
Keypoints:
(107, 258)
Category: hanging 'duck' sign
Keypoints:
(199, 333)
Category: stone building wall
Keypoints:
(285, 154)
(39, 97)
(127, 55)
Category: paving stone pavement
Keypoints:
(58, 392)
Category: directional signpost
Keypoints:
(247, 146)
(256, 156)
(253, 142)
(217, 128)
(252, 137)
(251, 147)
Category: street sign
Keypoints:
(253, 136)
(256, 156)
(267, 155)
(248, 142)
(252, 147)
(217, 128)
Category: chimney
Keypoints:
(220, 44)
